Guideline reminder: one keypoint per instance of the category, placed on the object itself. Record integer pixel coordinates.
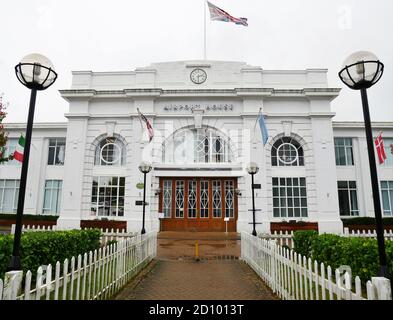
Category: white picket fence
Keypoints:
(94, 275)
(286, 238)
(388, 234)
(294, 277)
(282, 237)
(107, 234)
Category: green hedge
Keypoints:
(35, 217)
(365, 220)
(361, 254)
(302, 241)
(48, 247)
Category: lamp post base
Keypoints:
(14, 264)
(143, 231)
(254, 233)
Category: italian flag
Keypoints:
(18, 154)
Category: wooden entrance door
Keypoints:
(198, 204)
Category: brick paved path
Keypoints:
(203, 280)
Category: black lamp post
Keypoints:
(36, 73)
(145, 168)
(253, 169)
(362, 70)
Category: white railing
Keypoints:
(92, 276)
(282, 238)
(388, 234)
(294, 277)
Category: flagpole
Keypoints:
(204, 32)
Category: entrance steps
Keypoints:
(210, 246)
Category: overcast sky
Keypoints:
(119, 35)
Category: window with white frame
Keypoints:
(52, 197)
(167, 198)
(387, 197)
(56, 151)
(347, 198)
(107, 199)
(9, 191)
(289, 197)
(10, 148)
(287, 151)
(110, 152)
(205, 145)
(344, 151)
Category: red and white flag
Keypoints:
(380, 149)
(149, 127)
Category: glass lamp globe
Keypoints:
(36, 71)
(361, 70)
(252, 168)
(145, 167)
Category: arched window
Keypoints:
(192, 145)
(110, 152)
(287, 152)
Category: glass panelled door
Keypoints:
(198, 204)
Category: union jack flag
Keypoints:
(217, 14)
(148, 125)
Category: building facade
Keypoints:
(204, 114)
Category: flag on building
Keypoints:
(149, 127)
(18, 153)
(262, 126)
(217, 14)
(380, 149)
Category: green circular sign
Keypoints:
(140, 185)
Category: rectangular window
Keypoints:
(192, 205)
(52, 197)
(56, 151)
(388, 144)
(347, 198)
(344, 151)
(217, 199)
(10, 148)
(179, 194)
(289, 197)
(229, 199)
(387, 197)
(9, 191)
(167, 199)
(107, 197)
(204, 199)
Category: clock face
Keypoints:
(198, 76)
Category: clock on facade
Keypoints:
(198, 76)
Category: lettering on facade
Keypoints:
(205, 107)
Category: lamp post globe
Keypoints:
(144, 167)
(35, 72)
(253, 169)
(361, 70)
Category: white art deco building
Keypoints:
(204, 113)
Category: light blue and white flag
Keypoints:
(262, 126)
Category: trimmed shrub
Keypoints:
(361, 254)
(365, 221)
(302, 241)
(48, 247)
(35, 217)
